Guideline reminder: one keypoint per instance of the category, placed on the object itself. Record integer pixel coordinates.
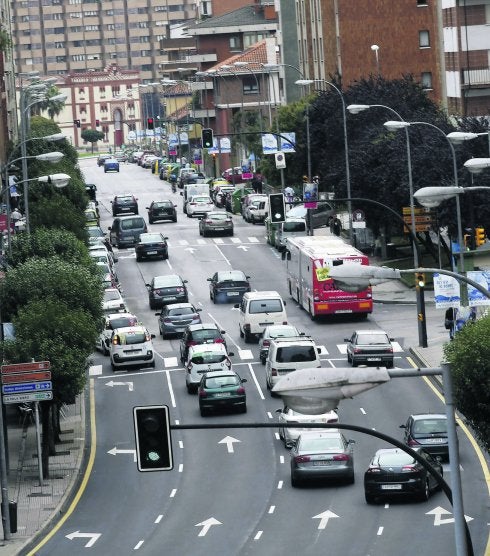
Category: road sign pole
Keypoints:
(4, 483)
(38, 437)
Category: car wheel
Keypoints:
(152, 306)
(262, 360)
(354, 363)
(424, 495)
(204, 412)
(152, 364)
(138, 258)
(351, 479)
(244, 409)
(231, 233)
(241, 332)
(189, 389)
(247, 337)
(188, 215)
(150, 220)
(174, 219)
(389, 365)
(105, 171)
(370, 499)
(113, 367)
(136, 211)
(295, 482)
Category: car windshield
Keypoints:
(166, 281)
(150, 238)
(221, 381)
(121, 322)
(208, 357)
(319, 444)
(231, 276)
(430, 426)
(104, 268)
(265, 306)
(111, 295)
(201, 336)
(395, 459)
(293, 226)
(95, 232)
(201, 200)
(181, 311)
(372, 339)
(295, 354)
(131, 223)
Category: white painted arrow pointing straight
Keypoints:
(438, 512)
(114, 451)
(111, 383)
(324, 517)
(206, 525)
(229, 440)
(92, 536)
(244, 247)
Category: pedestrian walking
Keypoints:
(450, 321)
(337, 226)
(289, 193)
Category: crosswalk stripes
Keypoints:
(201, 242)
(183, 242)
(253, 240)
(235, 240)
(245, 354)
(322, 350)
(218, 240)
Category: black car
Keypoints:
(173, 319)
(163, 290)
(370, 347)
(102, 158)
(124, 204)
(205, 333)
(91, 190)
(152, 244)
(162, 210)
(427, 431)
(228, 285)
(392, 473)
(322, 215)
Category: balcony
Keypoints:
(475, 78)
(211, 57)
(201, 113)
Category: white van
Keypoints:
(290, 354)
(257, 210)
(258, 310)
(292, 227)
(131, 346)
(192, 189)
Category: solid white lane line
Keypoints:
(181, 467)
(159, 518)
(380, 531)
(281, 459)
(280, 484)
(222, 254)
(259, 389)
(276, 434)
(170, 389)
(181, 444)
(271, 510)
(139, 545)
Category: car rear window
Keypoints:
(201, 200)
(294, 226)
(430, 426)
(167, 281)
(121, 322)
(163, 204)
(150, 238)
(203, 335)
(265, 306)
(395, 459)
(182, 311)
(124, 199)
(133, 338)
(221, 381)
(372, 339)
(208, 357)
(320, 444)
(295, 354)
(132, 223)
(218, 216)
(232, 276)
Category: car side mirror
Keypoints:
(148, 286)
(346, 339)
(403, 426)
(175, 206)
(165, 237)
(185, 281)
(301, 333)
(231, 353)
(236, 306)
(157, 314)
(147, 208)
(392, 339)
(209, 279)
(152, 336)
(284, 303)
(109, 228)
(223, 331)
(112, 202)
(247, 277)
(244, 380)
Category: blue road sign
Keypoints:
(27, 387)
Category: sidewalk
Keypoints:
(39, 506)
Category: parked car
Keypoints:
(124, 204)
(126, 230)
(272, 332)
(95, 234)
(111, 322)
(204, 358)
(427, 431)
(131, 346)
(289, 435)
(228, 285)
(91, 218)
(162, 210)
(102, 158)
(233, 175)
(393, 473)
(221, 390)
(152, 244)
(216, 222)
(173, 319)
(322, 455)
(320, 216)
(91, 190)
(370, 346)
(111, 165)
(113, 301)
(204, 333)
(199, 205)
(163, 290)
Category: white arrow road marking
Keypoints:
(438, 512)
(190, 249)
(228, 440)
(206, 525)
(114, 451)
(92, 536)
(324, 517)
(244, 247)
(111, 383)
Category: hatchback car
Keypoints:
(427, 431)
(272, 332)
(204, 358)
(113, 301)
(220, 390)
(370, 346)
(204, 333)
(95, 234)
(322, 215)
(161, 210)
(131, 346)
(124, 204)
(216, 222)
(322, 455)
(228, 285)
(111, 165)
(164, 290)
(199, 205)
(152, 244)
(289, 435)
(392, 472)
(111, 322)
(173, 319)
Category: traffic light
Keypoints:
(419, 279)
(207, 138)
(150, 124)
(479, 236)
(97, 123)
(153, 441)
(77, 123)
(277, 209)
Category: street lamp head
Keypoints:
(374, 47)
(304, 82)
(240, 64)
(54, 157)
(477, 165)
(432, 197)
(394, 125)
(58, 180)
(356, 108)
(356, 278)
(459, 137)
(271, 67)
(58, 98)
(54, 137)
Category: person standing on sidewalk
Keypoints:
(450, 321)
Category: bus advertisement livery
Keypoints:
(309, 260)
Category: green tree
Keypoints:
(92, 136)
(469, 356)
(53, 107)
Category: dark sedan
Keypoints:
(164, 290)
(124, 204)
(427, 431)
(204, 333)
(370, 347)
(392, 473)
(151, 245)
(173, 319)
(220, 390)
(228, 285)
(162, 210)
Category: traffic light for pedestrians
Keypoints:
(97, 123)
(153, 441)
(479, 236)
(207, 138)
(77, 123)
(277, 210)
(150, 124)
(419, 279)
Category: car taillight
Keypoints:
(373, 469)
(389, 350)
(202, 393)
(302, 459)
(357, 350)
(219, 341)
(274, 372)
(408, 468)
(266, 343)
(240, 390)
(208, 221)
(341, 457)
(180, 289)
(158, 291)
(413, 442)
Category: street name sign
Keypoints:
(28, 397)
(27, 387)
(26, 367)
(26, 377)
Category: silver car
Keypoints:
(216, 222)
(322, 455)
(288, 416)
(173, 319)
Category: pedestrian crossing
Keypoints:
(217, 241)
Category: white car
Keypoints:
(287, 415)
(199, 205)
(131, 346)
(113, 301)
(100, 253)
(111, 322)
(202, 358)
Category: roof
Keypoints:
(248, 16)
(258, 54)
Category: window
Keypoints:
(421, 2)
(235, 43)
(426, 80)
(424, 39)
(250, 86)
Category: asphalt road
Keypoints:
(230, 492)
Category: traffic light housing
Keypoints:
(150, 123)
(153, 441)
(77, 123)
(207, 138)
(277, 209)
(419, 279)
(479, 236)
(97, 123)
